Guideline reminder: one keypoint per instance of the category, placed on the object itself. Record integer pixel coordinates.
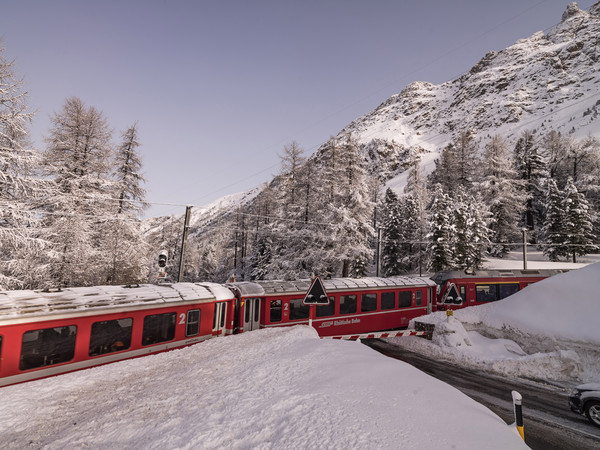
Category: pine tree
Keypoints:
(531, 169)
(391, 235)
(465, 159)
(578, 222)
(445, 170)
(554, 149)
(553, 231)
(441, 231)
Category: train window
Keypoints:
(404, 299)
(388, 300)
(485, 293)
(110, 336)
(326, 310)
(158, 328)
(347, 304)
(47, 346)
(368, 302)
(275, 315)
(493, 292)
(504, 290)
(418, 298)
(192, 327)
(298, 310)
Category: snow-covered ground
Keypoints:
(266, 389)
(549, 331)
(537, 260)
(287, 388)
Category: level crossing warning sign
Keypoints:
(316, 295)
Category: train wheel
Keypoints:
(592, 411)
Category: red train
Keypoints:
(49, 333)
(459, 289)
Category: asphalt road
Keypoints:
(549, 424)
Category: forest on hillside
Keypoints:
(70, 214)
(330, 215)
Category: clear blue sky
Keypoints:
(219, 87)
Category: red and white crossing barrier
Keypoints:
(381, 334)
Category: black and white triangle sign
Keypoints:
(316, 294)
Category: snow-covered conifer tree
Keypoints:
(532, 170)
(441, 231)
(391, 236)
(20, 188)
(504, 195)
(445, 170)
(578, 222)
(471, 216)
(78, 158)
(124, 247)
(553, 231)
(465, 159)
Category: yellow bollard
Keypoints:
(517, 403)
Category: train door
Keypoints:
(219, 319)
(429, 300)
(252, 314)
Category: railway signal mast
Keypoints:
(162, 264)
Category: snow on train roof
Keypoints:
(31, 303)
(336, 284)
(491, 273)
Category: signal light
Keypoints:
(162, 259)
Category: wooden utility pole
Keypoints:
(186, 226)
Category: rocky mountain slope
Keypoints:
(547, 81)
(550, 80)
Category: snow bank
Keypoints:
(282, 388)
(548, 331)
(565, 306)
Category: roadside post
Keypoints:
(517, 403)
(316, 295)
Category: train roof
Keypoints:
(440, 277)
(273, 287)
(97, 299)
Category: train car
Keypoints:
(459, 289)
(49, 333)
(355, 305)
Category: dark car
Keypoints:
(585, 399)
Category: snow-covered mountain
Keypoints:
(548, 81)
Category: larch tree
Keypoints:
(352, 210)
(20, 187)
(503, 193)
(78, 158)
(125, 246)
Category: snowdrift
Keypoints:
(275, 388)
(548, 331)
